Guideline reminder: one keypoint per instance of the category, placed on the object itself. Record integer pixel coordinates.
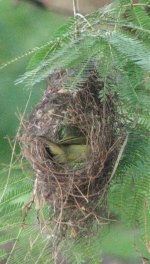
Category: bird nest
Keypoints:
(75, 191)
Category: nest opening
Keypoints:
(74, 190)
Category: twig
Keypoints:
(83, 17)
(147, 242)
(81, 193)
(119, 157)
(75, 12)
(75, 7)
(14, 148)
(137, 4)
(14, 245)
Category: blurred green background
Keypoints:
(22, 28)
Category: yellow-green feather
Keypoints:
(68, 150)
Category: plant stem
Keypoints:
(75, 7)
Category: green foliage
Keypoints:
(23, 30)
(115, 39)
(130, 195)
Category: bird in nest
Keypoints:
(72, 148)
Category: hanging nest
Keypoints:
(74, 191)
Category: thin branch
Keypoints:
(137, 4)
(13, 150)
(119, 157)
(83, 17)
(75, 7)
(14, 245)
